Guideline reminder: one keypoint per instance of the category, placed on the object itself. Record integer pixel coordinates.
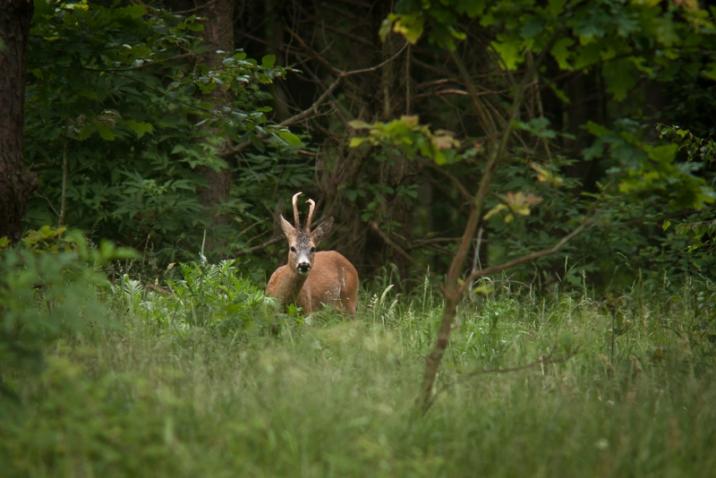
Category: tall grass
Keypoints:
(170, 391)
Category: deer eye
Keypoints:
(313, 249)
(293, 249)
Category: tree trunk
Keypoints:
(219, 35)
(16, 182)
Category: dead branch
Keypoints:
(391, 242)
(249, 250)
(453, 179)
(313, 109)
(476, 274)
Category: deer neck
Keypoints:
(292, 285)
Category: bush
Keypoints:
(211, 296)
(50, 287)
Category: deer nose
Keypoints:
(304, 267)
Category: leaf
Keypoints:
(485, 288)
(268, 61)
(410, 120)
(532, 27)
(546, 176)
(521, 203)
(538, 127)
(105, 132)
(509, 52)
(359, 124)
(495, 210)
(555, 7)
(357, 141)
(710, 71)
(140, 128)
(471, 8)
(663, 154)
(596, 129)
(587, 55)
(290, 138)
(596, 150)
(560, 52)
(443, 139)
(621, 77)
(410, 25)
(386, 27)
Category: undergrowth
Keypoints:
(202, 376)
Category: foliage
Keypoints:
(50, 287)
(120, 126)
(409, 137)
(625, 43)
(210, 296)
(121, 130)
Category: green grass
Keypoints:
(166, 394)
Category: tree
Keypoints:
(16, 182)
(219, 36)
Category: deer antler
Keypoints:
(311, 207)
(296, 218)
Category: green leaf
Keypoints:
(386, 27)
(663, 154)
(268, 61)
(140, 128)
(290, 138)
(105, 132)
(359, 124)
(596, 129)
(555, 7)
(560, 52)
(357, 141)
(621, 76)
(471, 8)
(538, 127)
(587, 55)
(710, 71)
(509, 51)
(532, 27)
(410, 26)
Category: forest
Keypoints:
(511, 206)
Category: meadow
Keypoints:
(202, 377)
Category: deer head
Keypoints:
(302, 241)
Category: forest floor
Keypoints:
(620, 389)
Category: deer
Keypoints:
(313, 279)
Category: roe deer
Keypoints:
(312, 279)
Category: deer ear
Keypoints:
(288, 230)
(322, 230)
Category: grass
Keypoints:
(166, 394)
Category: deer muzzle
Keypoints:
(303, 267)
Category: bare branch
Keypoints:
(391, 242)
(453, 179)
(529, 257)
(313, 109)
(249, 250)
